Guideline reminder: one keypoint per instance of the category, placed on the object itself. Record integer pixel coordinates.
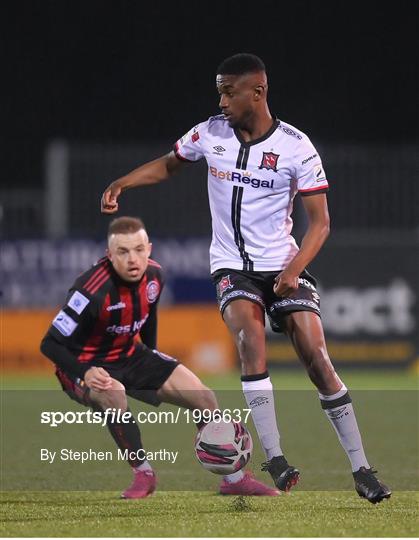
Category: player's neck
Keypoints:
(257, 127)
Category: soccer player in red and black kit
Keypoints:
(95, 343)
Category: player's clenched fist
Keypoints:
(98, 379)
(109, 201)
(285, 284)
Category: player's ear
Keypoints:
(150, 248)
(108, 254)
(260, 92)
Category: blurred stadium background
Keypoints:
(367, 271)
(83, 115)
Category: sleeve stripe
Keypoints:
(179, 155)
(151, 262)
(314, 189)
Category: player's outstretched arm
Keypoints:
(315, 236)
(150, 173)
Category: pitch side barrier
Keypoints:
(369, 296)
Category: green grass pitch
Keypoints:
(185, 514)
(311, 510)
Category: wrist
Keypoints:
(85, 371)
(117, 185)
(294, 268)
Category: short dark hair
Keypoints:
(125, 225)
(241, 63)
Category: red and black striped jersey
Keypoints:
(104, 317)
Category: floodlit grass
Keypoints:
(386, 405)
(282, 379)
(183, 514)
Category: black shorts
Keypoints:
(258, 288)
(142, 375)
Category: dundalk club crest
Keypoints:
(269, 161)
(225, 284)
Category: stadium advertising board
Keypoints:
(369, 293)
(369, 304)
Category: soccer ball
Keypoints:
(223, 447)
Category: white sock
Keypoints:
(234, 477)
(342, 417)
(145, 466)
(260, 399)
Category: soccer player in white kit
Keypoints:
(256, 165)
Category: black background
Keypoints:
(132, 70)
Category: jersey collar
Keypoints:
(275, 124)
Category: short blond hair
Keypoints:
(125, 225)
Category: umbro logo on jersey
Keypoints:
(269, 161)
(290, 131)
(119, 305)
(218, 150)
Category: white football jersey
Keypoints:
(251, 187)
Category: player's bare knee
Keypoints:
(207, 399)
(250, 346)
(202, 397)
